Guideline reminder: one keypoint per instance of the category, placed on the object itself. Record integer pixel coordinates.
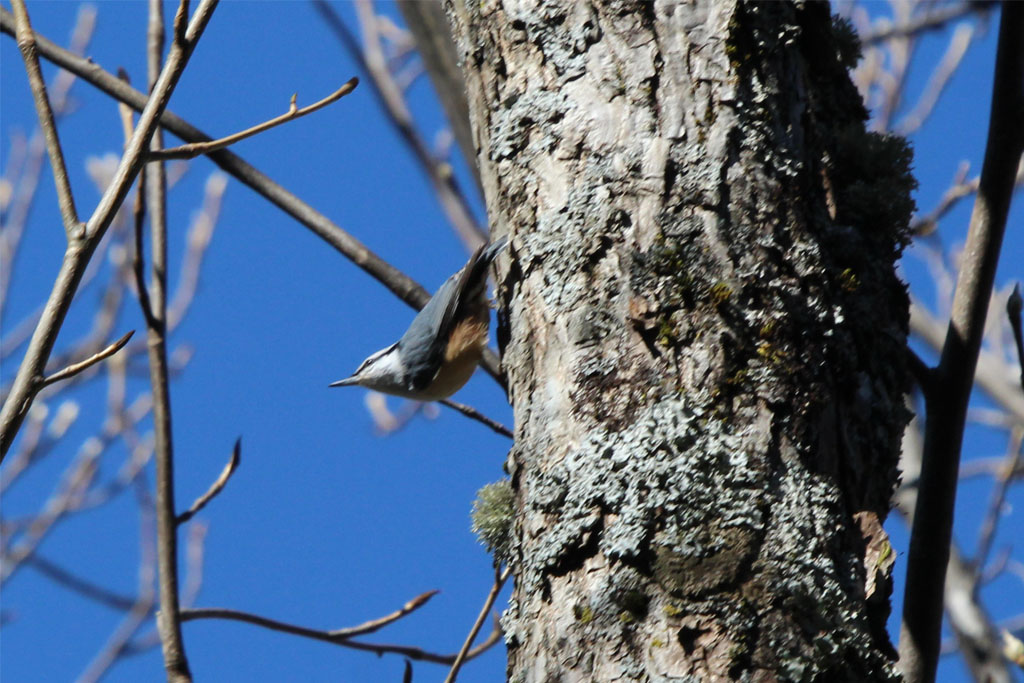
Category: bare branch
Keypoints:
(194, 149)
(168, 618)
(932, 21)
(72, 370)
(388, 275)
(195, 550)
(138, 213)
(989, 467)
(425, 655)
(391, 99)
(943, 72)
(474, 414)
(428, 24)
(76, 492)
(26, 42)
(31, 154)
(499, 580)
(79, 252)
(413, 653)
(104, 318)
(396, 281)
(196, 242)
(377, 624)
(338, 636)
(933, 517)
(217, 486)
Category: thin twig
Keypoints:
(337, 636)
(474, 414)
(960, 187)
(404, 287)
(425, 655)
(77, 256)
(27, 44)
(413, 653)
(993, 374)
(946, 412)
(138, 257)
(217, 486)
(138, 214)
(74, 369)
(987, 532)
(1014, 304)
(499, 580)
(194, 149)
(381, 622)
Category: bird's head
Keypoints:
(382, 371)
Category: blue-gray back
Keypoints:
(422, 346)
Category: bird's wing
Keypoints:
(432, 326)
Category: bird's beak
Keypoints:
(347, 382)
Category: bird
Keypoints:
(442, 347)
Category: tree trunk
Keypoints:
(703, 336)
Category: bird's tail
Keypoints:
(473, 277)
(492, 250)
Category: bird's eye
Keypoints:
(374, 358)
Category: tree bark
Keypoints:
(703, 335)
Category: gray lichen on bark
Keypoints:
(703, 337)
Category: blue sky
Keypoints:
(325, 524)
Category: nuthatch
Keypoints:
(439, 352)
